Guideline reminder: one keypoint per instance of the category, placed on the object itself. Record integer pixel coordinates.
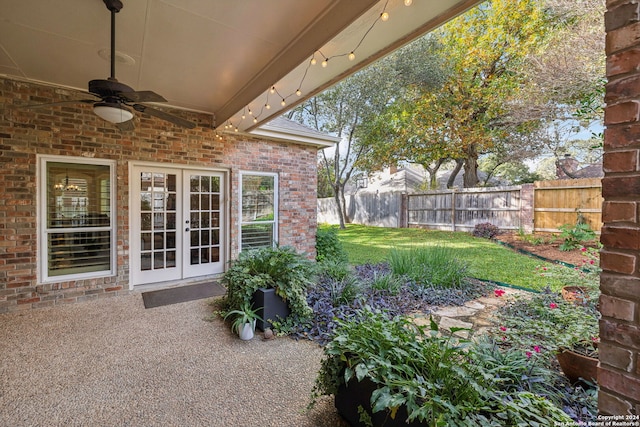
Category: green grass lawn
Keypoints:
(487, 260)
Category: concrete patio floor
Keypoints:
(111, 362)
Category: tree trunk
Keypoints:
(336, 197)
(345, 215)
(454, 173)
(471, 167)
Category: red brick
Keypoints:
(621, 16)
(618, 333)
(620, 212)
(616, 357)
(621, 161)
(621, 186)
(622, 89)
(617, 308)
(617, 262)
(619, 383)
(621, 286)
(620, 237)
(609, 404)
(622, 38)
(625, 112)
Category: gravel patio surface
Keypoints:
(111, 362)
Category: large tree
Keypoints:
(341, 111)
(465, 112)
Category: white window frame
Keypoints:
(42, 258)
(275, 205)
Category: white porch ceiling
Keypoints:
(220, 57)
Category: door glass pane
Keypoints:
(158, 213)
(205, 218)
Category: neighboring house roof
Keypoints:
(287, 130)
(594, 170)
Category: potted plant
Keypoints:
(393, 372)
(274, 280)
(244, 322)
(579, 362)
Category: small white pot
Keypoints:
(246, 332)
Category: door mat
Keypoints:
(182, 294)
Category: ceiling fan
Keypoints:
(115, 98)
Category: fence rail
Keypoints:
(542, 206)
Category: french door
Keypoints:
(177, 224)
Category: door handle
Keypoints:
(186, 229)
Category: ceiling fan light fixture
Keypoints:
(112, 112)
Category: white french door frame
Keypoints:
(183, 256)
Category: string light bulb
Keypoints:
(273, 89)
(250, 112)
(384, 16)
(313, 61)
(325, 63)
(408, 2)
(298, 92)
(283, 103)
(255, 120)
(267, 106)
(352, 56)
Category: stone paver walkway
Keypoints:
(475, 316)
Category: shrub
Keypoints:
(329, 247)
(575, 236)
(281, 268)
(486, 230)
(434, 376)
(429, 265)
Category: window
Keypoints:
(76, 216)
(258, 208)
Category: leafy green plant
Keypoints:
(433, 375)
(246, 314)
(429, 265)
(338, 270)
(388, 283)
(543, 323)
(345, 291)
(281, 268)
(329, 247)
(575, 236)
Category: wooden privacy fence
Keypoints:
(542, 206)
(461, 210)
(563, 201)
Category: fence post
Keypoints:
(453, 209)
(403, 220)
(526, 207)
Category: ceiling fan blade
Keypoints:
(53, 104)
(164, 116)
(125, 126)
(142, 96)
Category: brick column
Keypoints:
(619, 372)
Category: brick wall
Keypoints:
(75, 131)
(619, 372)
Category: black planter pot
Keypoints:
(356, 394)
(270, 306)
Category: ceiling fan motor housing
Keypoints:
(110, 87)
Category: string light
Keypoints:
(351, 56)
